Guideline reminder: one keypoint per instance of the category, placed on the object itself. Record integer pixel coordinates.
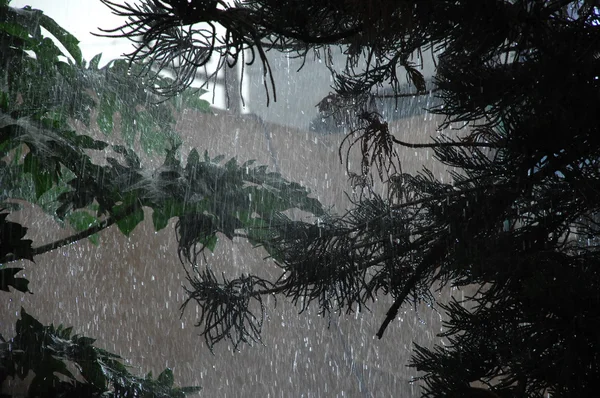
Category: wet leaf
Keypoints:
(8, 279)
(14, 29)
(65, 38)
(161, 215)
(84, 141)
(106, 110)
(128, 224)
(95, 61)
(166, 378)
(12, 244)
(42, 177)
(82, 220)
(209, 242)
(193, 159)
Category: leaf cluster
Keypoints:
(46, 91)
(45, 161)
(69, 365)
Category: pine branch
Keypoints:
(407, 95)
(430, 260)
(466, 144)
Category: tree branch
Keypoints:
(36, 251)
(430, 259)
(76, 237)
(406, 95)
(445, 144)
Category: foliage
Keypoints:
(49, 353)
(518, 221)
(68, 90)
(45, 161)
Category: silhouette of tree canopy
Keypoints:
(519, 220)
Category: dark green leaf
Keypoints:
(15, 29)
(209, 242)
(161, 215)
(106, 110)
(82, 220)
(65, 38)
(166, 378)
(4, 101)
(42, 177)
(128, 224)
(218, 159)
(84, 141)
(193, 159)
(8, 279)
(95, 61)
(12, 244)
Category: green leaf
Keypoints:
(8, 279)
(128, 224)
(128, 126)
(17, 30)
(161, 215)
(94, 239)
(65, 38)
(190, 99)
(47, 53)
(166, 378)
(95, 61)
(42, 177)
(82, 220)
(209, 242)
(4, 101)
(106, 110)
(152, 138)
(84, 141)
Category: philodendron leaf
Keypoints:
(69, 41)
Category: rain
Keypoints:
(127, 291)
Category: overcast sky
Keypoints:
(81, 17)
